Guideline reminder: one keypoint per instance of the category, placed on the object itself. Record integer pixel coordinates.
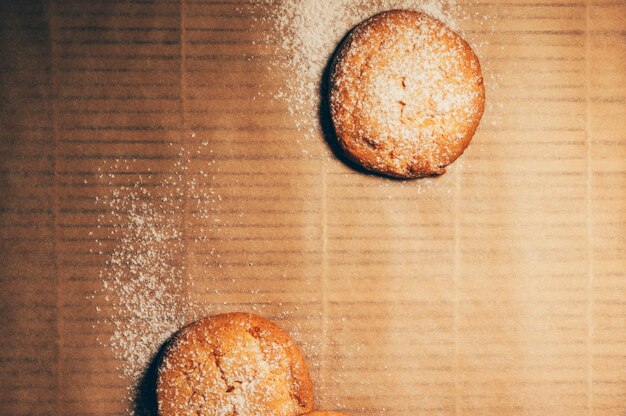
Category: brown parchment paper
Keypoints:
(498, 288)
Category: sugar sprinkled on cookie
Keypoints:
(406, 94)
(233, 364)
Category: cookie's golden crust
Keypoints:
(406, 94)
(233, 364)
(326, 413)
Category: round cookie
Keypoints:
(326, 413)
(233, 364)
(406, 94)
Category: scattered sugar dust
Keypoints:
(145, 293)
(306, 33)
(142, 270)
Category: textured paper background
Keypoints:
(498, 288)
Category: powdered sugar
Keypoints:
(309, 31)
(144, 294)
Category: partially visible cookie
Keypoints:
(234, 364)
(326, 413)
(406, 94)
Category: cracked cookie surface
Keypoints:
(406, 94)
(234, 364)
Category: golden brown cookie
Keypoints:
(326, 413)
(406, 94)
(235, 364)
